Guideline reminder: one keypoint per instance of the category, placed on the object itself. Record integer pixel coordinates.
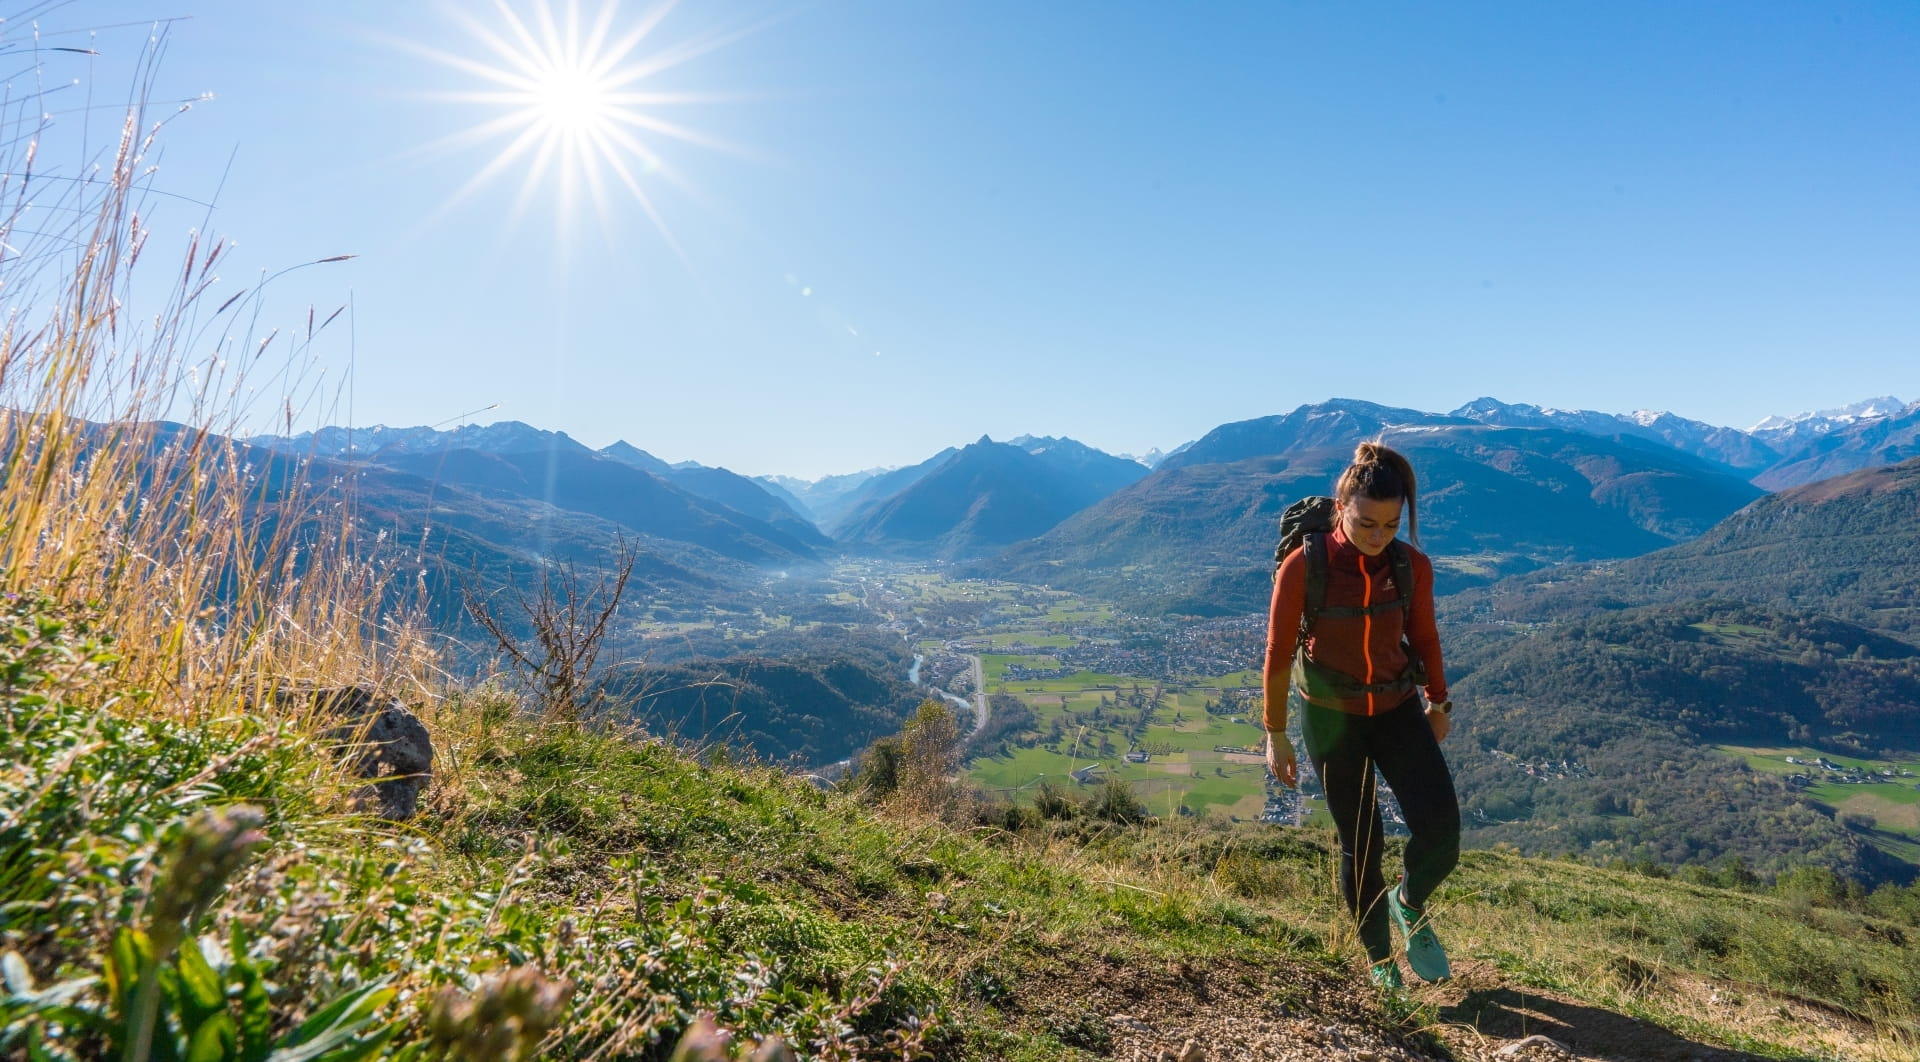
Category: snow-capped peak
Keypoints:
(1826, 420)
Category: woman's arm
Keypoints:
(1283, 630)
(1422, 632)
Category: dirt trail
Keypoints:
(1242, 1013)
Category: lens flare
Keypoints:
(570, 107)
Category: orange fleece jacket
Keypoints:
(1366, 647)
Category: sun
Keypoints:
(572, 102)
(569, 103)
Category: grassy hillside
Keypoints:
(603, 894)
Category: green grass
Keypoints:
(743, 892)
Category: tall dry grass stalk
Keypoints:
(221, 571)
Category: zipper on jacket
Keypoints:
(1366, 641)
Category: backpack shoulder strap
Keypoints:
(1402, 572)
(1313, 551)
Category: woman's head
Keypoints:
(1369, 496)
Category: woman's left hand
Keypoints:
(1441, 722)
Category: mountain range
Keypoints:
(987, 496)
(1187, 534)
(1198, 538)
(710, 508)
(1623, 591)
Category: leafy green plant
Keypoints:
(171, 996)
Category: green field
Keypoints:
(1184, 769)
(994, 667)
(1893, 803)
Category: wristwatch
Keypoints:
(1446, 706)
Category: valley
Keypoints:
(1096, 623)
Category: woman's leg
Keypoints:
(1410, 760)
(1338, 752)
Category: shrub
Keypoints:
(1116, 803)
(1052, 802)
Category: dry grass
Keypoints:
(221, 573)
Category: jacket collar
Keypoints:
(1343, 551)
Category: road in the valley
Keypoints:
(979, 695)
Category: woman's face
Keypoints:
(1368, 523)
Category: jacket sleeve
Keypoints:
(1283, 630)
(1422, 632)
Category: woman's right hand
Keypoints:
(1280, 759)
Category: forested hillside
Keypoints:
(1791, 624)
(801, 711)
(1842, 547)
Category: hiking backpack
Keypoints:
(1305, 525)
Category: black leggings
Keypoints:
(1344, 750)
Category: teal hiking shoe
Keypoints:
(1385, 974)
(1424, 953)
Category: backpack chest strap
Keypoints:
(1402, 603)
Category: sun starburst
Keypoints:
(573, 107)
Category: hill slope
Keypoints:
(984, 497)
(1842, 547)
(566, 475)
(1790, 624)
(1335, 423)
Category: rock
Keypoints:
(1192, 1052)
(1128, 1022)
(1517, 1047)
(379, 741)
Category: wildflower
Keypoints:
(504, 1021)
(211, 848)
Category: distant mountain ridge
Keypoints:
(1825, 421)
(1198, 538)
(1728, 446)
(1866, 443)
(1842, 547)
(987, 496)
(713, 509)
(1337, 422)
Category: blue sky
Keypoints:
(900, 226)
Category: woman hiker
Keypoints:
(1352, 668)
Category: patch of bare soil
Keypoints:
(1483, 1016)
(1182, 1013)
(1225, 1011)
